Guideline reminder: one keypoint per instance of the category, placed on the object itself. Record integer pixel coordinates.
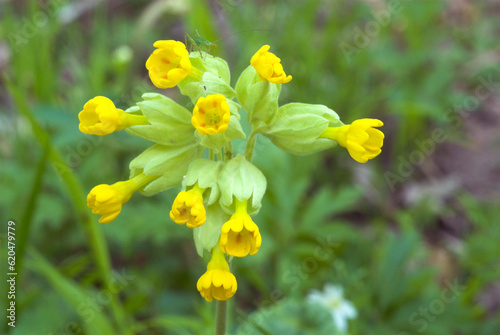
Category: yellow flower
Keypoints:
(188, 208)
(107, 200)
(361, 140)
(169, 64)
(211, 114)
(218, 282)
(240, 235)
(269, 67)
(100, 117)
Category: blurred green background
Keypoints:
(412, 236)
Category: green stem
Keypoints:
(252, 139)
(221, 318)
(229, 151)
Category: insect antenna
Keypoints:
(239, 32)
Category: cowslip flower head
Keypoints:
(211, 114)
(332, 297)
(188, 208)
(361, 140)
(218, 282)
(107, 200)
(169, 64)
(240, 236)
(269, 67)
(100, 117)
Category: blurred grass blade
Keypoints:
(151, 14)
(76, 296)
(78, 200)
(23, 228)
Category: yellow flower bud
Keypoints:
(361, 140)
(169, 64)
(240, 235)
(188, 208)
(218, 282)
(107, 200)
(100, 117)
(269, 67)
(211, 114)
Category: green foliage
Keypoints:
(480, 257)
(77, 297)
(289, 317)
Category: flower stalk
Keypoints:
(221, 317)
(252, 139)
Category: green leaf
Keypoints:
(327, 203)
(23, 229)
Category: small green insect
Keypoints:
(200, 43)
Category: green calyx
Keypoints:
(241, 180)
(170, 163)
(204, 173)
(258, 97)
(207, 235)
(215, 78)
(170, 122)
(297, 127)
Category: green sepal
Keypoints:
(170, 122)
(297, 126)
(170, 163)
(205, 172)
(209, 84)
(242, 180)
(209, 63)
(234, 107)
(207, 235)
(258, 97)
(215, 79)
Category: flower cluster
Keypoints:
(221, 190)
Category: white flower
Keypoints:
(332, 297)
